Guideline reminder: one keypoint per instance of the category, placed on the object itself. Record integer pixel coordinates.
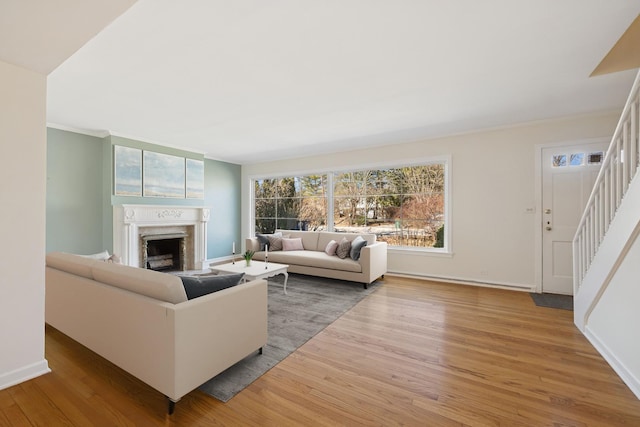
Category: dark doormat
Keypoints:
(564, 302)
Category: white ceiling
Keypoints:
(253, 80)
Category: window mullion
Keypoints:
(330, 188)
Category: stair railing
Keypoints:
(618, 168)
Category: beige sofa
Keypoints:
(141, 321)
(313, 260)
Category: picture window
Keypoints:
(404, 206)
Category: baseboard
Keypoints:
(625, 374)
(463, 281)
(23, 374)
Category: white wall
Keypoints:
(492, 186)
(22, 223)
(611, 327)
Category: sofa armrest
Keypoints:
(252, 244)
(215, 331)
(373, 259)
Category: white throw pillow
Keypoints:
(102, 256)
(331, 248)
(292, 244)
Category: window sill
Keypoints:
(436, 252)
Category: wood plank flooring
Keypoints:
(414, 353)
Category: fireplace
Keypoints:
(162, 238)
(164, 252)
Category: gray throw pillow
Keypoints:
(197, 286)
(264, 239)
(275, 243)
(356, 246)
(344, 248)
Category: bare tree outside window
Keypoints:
(290, 203)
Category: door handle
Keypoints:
(548, 228)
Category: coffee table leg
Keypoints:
(286, 277)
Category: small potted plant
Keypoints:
(247, 257)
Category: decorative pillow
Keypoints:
(197, 286)
(264, 239)
(275, 243)
(102, 256)
(344, 248)
(331, 248)
(356, 246)
(292, 244)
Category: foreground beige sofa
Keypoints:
(141, 321)
(315, 262)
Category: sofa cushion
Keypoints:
(309, 238)
(316, 259)
(356, 246)
(74, 264)
(197, 286)
(161, 286)
(344, 248)
(292, 244)
(331, 247)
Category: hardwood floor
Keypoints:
(413, 353)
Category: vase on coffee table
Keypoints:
(247, 257)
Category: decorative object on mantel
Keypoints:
(247, 257)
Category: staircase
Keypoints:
(606, 252)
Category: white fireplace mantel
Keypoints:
(127, 220)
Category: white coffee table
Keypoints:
(257, 270)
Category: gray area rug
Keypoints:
(311, 305)
(563, 302)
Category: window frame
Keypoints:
(445, 160)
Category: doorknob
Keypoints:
(548, 228)
(547, 211)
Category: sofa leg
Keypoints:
(260, 350)
(366, 286)
(171, 407)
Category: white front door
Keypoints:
(568, 175)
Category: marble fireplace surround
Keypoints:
(131, 222)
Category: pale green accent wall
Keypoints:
(222, 196)
(80, 201)
(74, 193)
